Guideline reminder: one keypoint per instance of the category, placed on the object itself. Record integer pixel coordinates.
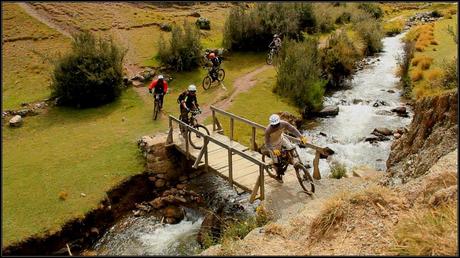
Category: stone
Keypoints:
(165, 27)
(183, 178)
(329, 111)
(378, 103)
(161, 176)
(94, 231)
(82, 194)
(195, 14)
(152, 178)
(157, 203)
(397, 135)
(390, 91)
(137, 83)
(383, 113)
(383, 131)
(181, 186)
(290, 118)
(177, 213)
(357, 101)
(160, 183)
(399, 110)
(16, 121)
(203, 23)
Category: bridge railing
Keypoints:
(259, 185)
(218, 127)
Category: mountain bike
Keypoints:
(291, 156)
(196, 140)
(271, 54)
(211, 78)
(157, 105)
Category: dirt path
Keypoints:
(241, 84)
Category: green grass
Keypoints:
(257, 105)
(73, 151)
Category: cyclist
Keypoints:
(216, 61)
(160, 87)
(276, 43)
(187, 101)
(275, 140)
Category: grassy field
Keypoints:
(26, 75)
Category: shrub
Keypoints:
(91, 74)
(393, 28)
(307, 18)
(404, 64)
(253, 28)
(371, 33)
(338, 58)
(299, 78)
(433, 74)
(183, 52)
(372, 9)
(436, 14)
(325, 22)
(338, 170)
(423, 62)
(344, 18)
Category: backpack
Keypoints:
(181, 97)
(160, 86)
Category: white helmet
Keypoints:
(274, 119)
(191, 87)
(160, 76)
(275, 36)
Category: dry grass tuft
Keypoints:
(274, 229)
(416, 75)
(428, 232)
(433, 74)
(434, 42)
(63, 195)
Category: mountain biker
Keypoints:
(160, 87)
(188, 101)
(275, 140)
(276, 43)
(216, 61)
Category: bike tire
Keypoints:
(305, 179)
(156, 110)
(269, 59)
(207, 81)
(195, 140)
(221, 75)
(270, 170)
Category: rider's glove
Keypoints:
(150, 91)
(277, 152)
(303, 139)
(188, 109)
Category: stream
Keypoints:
(344, 133)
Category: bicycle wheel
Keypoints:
(269, 58)
(221, 75)
(207, 82)
(270, 169)
(197, 140)
(156, 110)
(305, 179)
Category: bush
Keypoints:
(91, 74)
(307, 18)
(299, 78)
(404, 64)
(393, 28)
(344, 18)
(416, 74)
(370, 31)
(450, 75)
(253, 28)
(338, 58)
(372, 9)
(325, 21)
(183, 53)
(338, 170)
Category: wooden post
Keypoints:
(203, 150)
(255, 190)
(231, 128)
(230, 166)
(253, 139)
(316, 174)
(186, 143)
(206, 163)
(169, 140)
(262, 183)
(213, 120)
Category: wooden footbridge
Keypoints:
(240, 165)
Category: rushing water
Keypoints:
(345, 134)
(357, 118)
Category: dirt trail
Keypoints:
(241, 84)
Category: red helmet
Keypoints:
(212, 55)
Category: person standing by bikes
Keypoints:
(160, 86)
(216, 61)
(275, 140)
(187, 101)
(276, 43)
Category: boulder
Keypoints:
(328, 111)
(165, 27)
(382, 131)
(16, 121)
(173, 214)
(378, 103)
(401, 111)
(195, 14)
(327, 152)
(290, 118)
(210, 227)
(383, 112)
(390, 91)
